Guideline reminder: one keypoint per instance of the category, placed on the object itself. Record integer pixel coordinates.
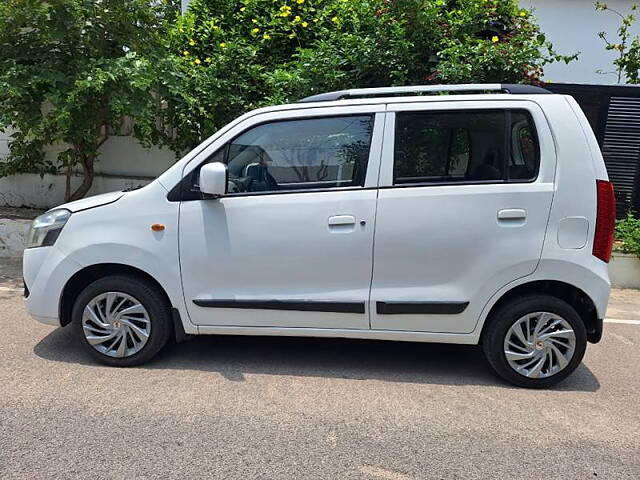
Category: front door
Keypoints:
(291, 244)
(465, 195)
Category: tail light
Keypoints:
(605, 220)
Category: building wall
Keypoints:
(4, 145)
(32, 191)
(123, 163)
(572, 26)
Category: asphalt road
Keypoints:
(233, 407)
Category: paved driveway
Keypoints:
(233, 407)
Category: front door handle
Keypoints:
(339, 220)
(512, 214)
(342, 223)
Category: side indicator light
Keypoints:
(157, 227)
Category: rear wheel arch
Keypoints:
(574, 296)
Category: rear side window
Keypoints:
(524, 156)
(465, 146)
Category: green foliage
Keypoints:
(628, 234)
(70, 70)
(628, 47)
(239, 56)
(485, 41)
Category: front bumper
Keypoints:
(46, 270)
(55, 322)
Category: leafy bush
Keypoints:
(70, 70)
(628, 234)
(239, 56)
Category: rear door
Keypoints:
(465, 194)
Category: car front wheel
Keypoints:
(122, 320)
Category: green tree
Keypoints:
(628, 46)
(236, 56)
(71, 70)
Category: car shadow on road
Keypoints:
(233, 357)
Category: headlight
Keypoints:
(46, 228)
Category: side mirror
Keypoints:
(213, 179)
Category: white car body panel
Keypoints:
(92, 202)
(46, 270)
(277, 248)
(116, 233)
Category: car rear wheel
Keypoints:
(122, 320)
(535, 341)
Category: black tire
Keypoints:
(149, 296)
(506, 315)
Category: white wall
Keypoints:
(123, 163)
(32, 191)
(121, 156)
(125, 156)
(4, 145)
(572, 26)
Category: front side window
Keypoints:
(464, 146)
(314, 153)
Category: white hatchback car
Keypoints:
(483, 216)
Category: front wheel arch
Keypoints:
(90, 274)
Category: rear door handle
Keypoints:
(512, 217)
(338, 220)
(512, 214)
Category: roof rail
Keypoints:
(513, 88)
